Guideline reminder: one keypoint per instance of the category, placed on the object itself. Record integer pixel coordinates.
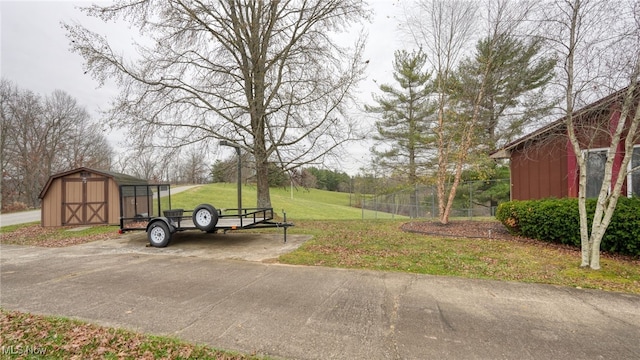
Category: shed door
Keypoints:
(84, 201)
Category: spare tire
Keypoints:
(205, 217)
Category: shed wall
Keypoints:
(99, 195)
(113, 201)
(50, 213)
(540, 171)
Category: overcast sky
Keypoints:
(34, 53)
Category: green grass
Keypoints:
(301, 204)
(11, 228)
(381, 245)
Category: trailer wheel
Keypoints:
(158, 234)
(205, 217)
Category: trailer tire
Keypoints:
(205, 217)
(158, 234)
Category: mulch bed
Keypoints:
(466, 229)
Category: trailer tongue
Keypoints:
(143, 207)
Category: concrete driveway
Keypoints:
(297, 312)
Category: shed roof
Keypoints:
(119, 178)
(558, 125)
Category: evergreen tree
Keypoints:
(515, 76)
(402, 139)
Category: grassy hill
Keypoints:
(300, 204)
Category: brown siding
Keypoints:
(51, 205)
(113, 201)
(539, 172)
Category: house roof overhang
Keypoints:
(558, 125)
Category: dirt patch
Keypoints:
(240, 245)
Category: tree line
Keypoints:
(40, 136)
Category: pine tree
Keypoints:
(402, 138)
(516, 77)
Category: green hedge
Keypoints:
(557, 220)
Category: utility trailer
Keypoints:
(148, 207)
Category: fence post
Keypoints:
(470, 200)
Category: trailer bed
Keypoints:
(141, 208)
(228, 219)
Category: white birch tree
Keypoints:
(597, 44)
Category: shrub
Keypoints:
(558, 221)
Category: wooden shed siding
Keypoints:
(51, 202)
(83, 196)
(539, 172)
(113, 203)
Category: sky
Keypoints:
(35, 55)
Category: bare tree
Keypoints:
(71, 138)
(8, 94)
(25, 150)
(42, 136)
(597, 43)
(266, 75)
(192, 169)
(449, 27)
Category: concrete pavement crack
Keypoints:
(393, 306)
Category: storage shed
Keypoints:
(83, 196)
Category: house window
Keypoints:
(634, 177)
(596, 160)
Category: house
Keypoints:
(543, 163)
(84, 196)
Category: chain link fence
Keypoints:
(474, 199)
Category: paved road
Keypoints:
(21, 217)
(298, 312)
(34, 215)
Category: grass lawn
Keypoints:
(381, 245)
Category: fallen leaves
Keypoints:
(36, 235)
(54, 337)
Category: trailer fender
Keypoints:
(165, 220)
